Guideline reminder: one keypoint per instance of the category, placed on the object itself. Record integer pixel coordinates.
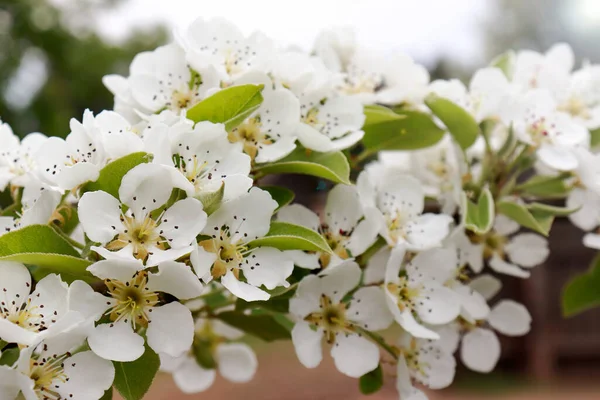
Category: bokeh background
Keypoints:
(53, 54)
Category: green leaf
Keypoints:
(40, 245)
(537, 220)
(505, 62)
(460, 123)
(372, 381)
(2, 344)
(332, 166)
(410, 131)
(375, 115)
(595, 138)
(583, 291)
(112, 174)
(108, 395)
(10, 356)
(263, 326)
(479, 217)
(212, 201)
(229, 106)
(203, 353)
(133, 379)
(283, 196)
(551, 210)
(286, 236)
(545, 187)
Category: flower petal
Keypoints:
(528, 249)
(171, 330)
(116, 341)
(307, 343)
(176, 279)
(192, 378)
(510, 318)
(269, 267)
(368, 308)
(354, 355)
(182, 222)
(99, 214)
(243, 290)
(236, 361)
(89, 376)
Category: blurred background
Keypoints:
(53, 54)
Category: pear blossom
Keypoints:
(580, 99)
(336, 47)
(418, 293)
(218, 44)
(236, 362)
(550, 71)
(396, 202)
(328, 121)
(52, 371)
(202, 155)
(321, 311)
(134, 302)
(161, 79)
(138, 233)
(225, 253)
(404, 382)
(585, 196)
(504, 252)
(38, 206)
(17, 157)
(343, 225)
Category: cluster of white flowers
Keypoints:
(148, 234)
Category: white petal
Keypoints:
(487, 285)
(145, 187)
(403, 384)
(427, 231)
(437, 304)
(116, 341)
(510, 318)
(192, 378)
(340, 281)
(592, 240)
(307, 297)
(15, 283)
(89, 376)
(243, 290)
(236, 361)
(307, 343)
(269, 267)
(474, 305)
(99, 212)
(171, 330)
(121, 270)
(375, 270)
(363, 236)
(9, 383)
(528, 249)
(368, 308)
(313, 139)
(438, 368)
(343, 208)
(503, 267)
(202, 261)
(177, 279)
(182, 222)
(354, 355)
(560, 158)
(480, 350)
(13, 333)
(304, 259)
(299, 215)
(588, 202)
(505, 226)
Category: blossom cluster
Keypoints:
(149, 232)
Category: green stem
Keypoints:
(71, 241)
(380, 341)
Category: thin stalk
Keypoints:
(380, 341)
(69, 239)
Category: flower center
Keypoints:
(142, 235)
(332, 318)
(230, 255)
(251, 135)
(337, 243)
(404, 293)
(47, 374)
(133, 299)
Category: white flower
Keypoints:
(226, 253)
(396, 202)
(343, 225)
(549, 71)
(219, 44)
(50, 371)
(552, 133)
(504, 253)
(585, 196)
(17, 158)
(487, 96)
(404, 384)
(581, 99)
(320, 312)
(427, 362)
(28, 317)
(135, 302)
(328, 121)
(336, 47)
(159, 80)
(137, 233)
(77, 159)
(418, 293)
(203, 155)
(268, 134)
(236, 362)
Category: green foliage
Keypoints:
(40, 245)
(263, 326)
(595, 138)
(545, 187)
(10, 356)
(583, 291)
(461, 124)
(371, 382)
(133, 379)
(111, 175)
(203, 353)
(108, 395)
(212, 201)
(479, 217)
(283, 196)
(401, 130)
(229, 106)
(505, 62)
(332, 166)
(533, 218)
(286, 236)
